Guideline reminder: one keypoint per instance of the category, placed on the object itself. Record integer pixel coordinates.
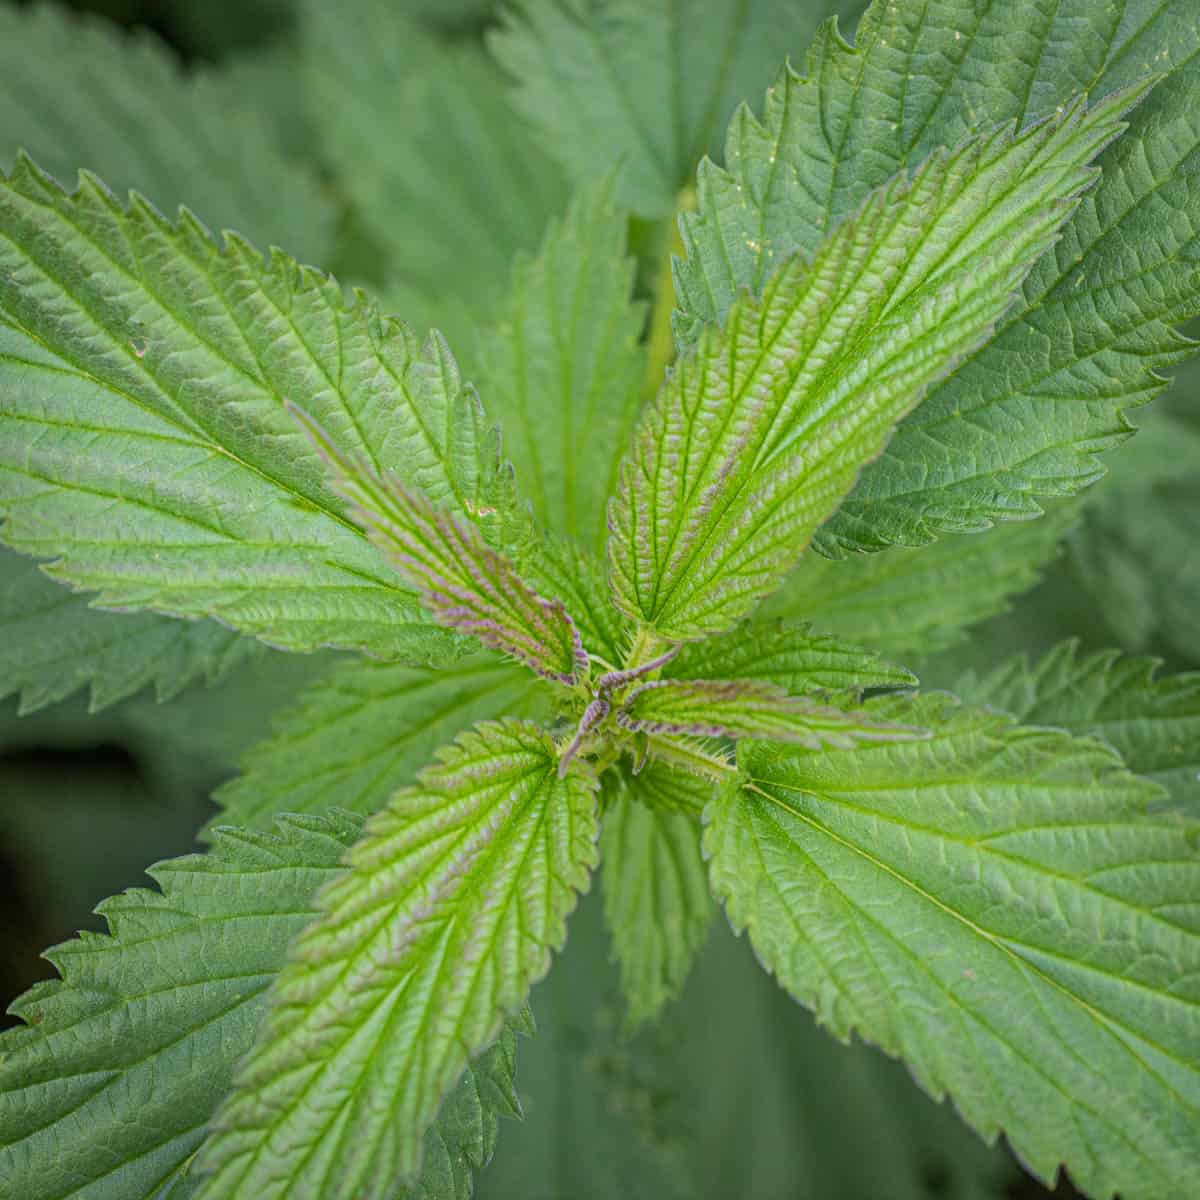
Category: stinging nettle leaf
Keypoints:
(995, 906)
(478, 866)
(761, 431)
(748, 708)
(466, 585)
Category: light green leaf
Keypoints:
(645, 83)
(1026, 417)
(564, 367)
(443, 177)
(789, 655)
(465, 585)
(122, 106)
(759, 434)
(478, 866)
(914, 601)
(143, 438)
(362, 732)
(656, 898)
(1152, 722)
(747, 708)
(52, 644)
(994, 906)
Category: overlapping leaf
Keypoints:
(143, 439)
(476, 866)
(1152, 721)
(995, 906)
(1027, 416)
(759, 434)
(466, 585)
(656, 898)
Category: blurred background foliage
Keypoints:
(375, 139)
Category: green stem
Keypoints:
(694, 759)
(646, 645)
(660, 343)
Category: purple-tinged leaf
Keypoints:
(747, 708)
(465, 584)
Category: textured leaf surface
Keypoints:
(477, 866)
(564, 367)
(1153, 722)
(364, 731)
(656, 899)
(52, 645)
(994, 906)
(1026, 416)
(914, 601)
(789, 655)
(123, 107)
(466, 585)
(758, 434)
(643, 82)
(143, 436)
(747, 708)
(448, 184)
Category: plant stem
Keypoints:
(660, 342)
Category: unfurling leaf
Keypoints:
(465, 584)
(761, 431)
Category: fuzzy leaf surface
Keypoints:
(143, 439)
(1027, 415)
(761, 431)
(128, 1054)
(1152, 721)
(362, 732)
(52, 644)
(478, 866)
(564, 366)
(912, 601)
(995, 906)
(645, 83)
(123, 107)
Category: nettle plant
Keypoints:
(915, 300)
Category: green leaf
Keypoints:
(52, 644)
(564, 367)
(1026, 417)
(462, 581)
(122, 106)
(143, 438)
(477, 866)
(994, 906)
(747, 708)
(361, 733)
(656, 899)
(914, 601)
(443, 177)
(1152, 722)
(789, 655)
(759, 434)
(642, 82)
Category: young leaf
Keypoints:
(759, 434)
(477, 866)
(656, 899)
(123, 107)
(564, 367)
(789, 655)
(52, 643)
(747, 708)
(645, 83)
(994, 906)
(1027, 415)
(125, 1058)
(462, 581)
(915, 601)
(362, 732)
(143, 439)
(1152, 722)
